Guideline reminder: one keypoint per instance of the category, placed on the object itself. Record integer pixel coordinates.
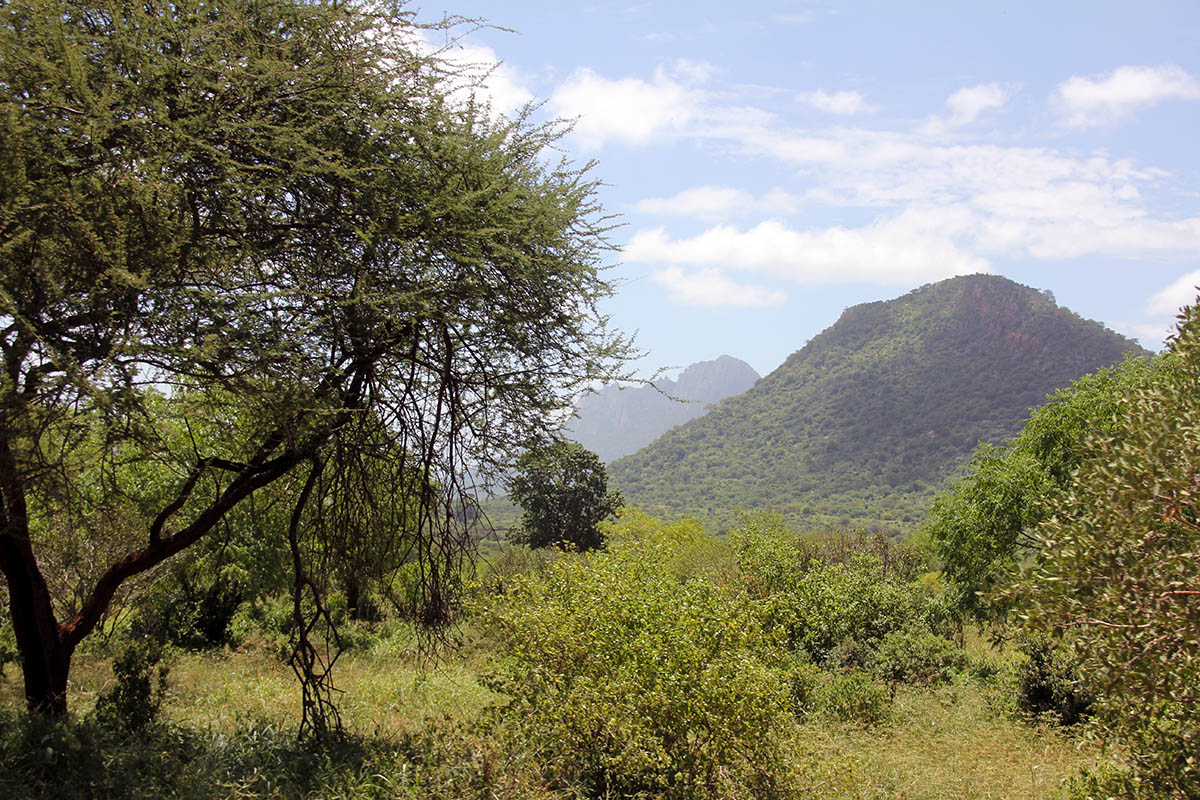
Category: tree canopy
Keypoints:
(1118, 572)
(563, 489)
(285, 229)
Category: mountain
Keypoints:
(864, 423)
(615, 421)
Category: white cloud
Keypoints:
(629, 110)
(710, 289)
(1181, 293)
(1112, 97)
(964, 107)
(969, 102)
(842, 103)
(900, 250)
(690, 71)
(944, 205)
(720, 202)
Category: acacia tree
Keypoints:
(563, 489)
(282, 219)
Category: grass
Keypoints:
(946, 743)
(942, 744)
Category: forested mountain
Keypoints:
(616, 421)
(868, 419)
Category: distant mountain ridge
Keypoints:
(874, 414)
(615, 421)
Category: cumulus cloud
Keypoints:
(894, 251)
(708, 288)
(943, 206)
(1025, 202)
(965, 106)
(1110, 98)
(1181, 293)
(842, 103)
(629, 110)
(969, 102)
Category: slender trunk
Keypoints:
(353, 596)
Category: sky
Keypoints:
(773, 163)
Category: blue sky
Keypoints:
(774, 163)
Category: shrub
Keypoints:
(854, 697)
(917, 656)
(803, 680)
(631, 679)
(1046, 682)
(836, 612)
(134, 702)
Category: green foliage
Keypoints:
(859, 427)
(9, 652)
(1046, 682)
(835, 597)
(629, 678)
(141, 682)
(834, 611)
(853, 696)
(563, 489)
(917, 656)
(982, 525)
(1118, 571)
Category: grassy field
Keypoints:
(411, 725)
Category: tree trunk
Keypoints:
(353, 596)
(45, 672)
(45, 657)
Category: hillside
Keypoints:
(868, 419)
(616, 421)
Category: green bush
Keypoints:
(1046, 682)
(854, 697)
(141, 684)
(917, 656)
(803, 680)
(629, 678)
(836, 612)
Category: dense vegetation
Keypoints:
(870, 418)
(275, 290)
(1084, 532)
(670, 664)
(617, 420)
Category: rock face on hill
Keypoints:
(873, 415)
(615, 421)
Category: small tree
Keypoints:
(983, 525)
(563, 489)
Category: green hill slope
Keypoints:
(875, 413)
